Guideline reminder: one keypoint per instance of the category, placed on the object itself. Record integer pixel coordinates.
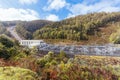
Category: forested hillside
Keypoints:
(89, 28)
(82, 27)
(3, 30)
(25, 29)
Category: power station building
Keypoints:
(31, 43)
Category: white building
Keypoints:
(31, 43)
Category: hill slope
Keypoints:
(3, 30)
(84, 29)
(26, 29)
(87, 29)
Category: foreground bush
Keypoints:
(80, 67)
(15, 73)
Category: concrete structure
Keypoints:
(31, 43)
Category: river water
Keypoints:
(104, 50)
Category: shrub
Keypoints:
(15, 73)
(41, 62)
(3, 52)
(62, 54)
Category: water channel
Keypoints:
(104, 50)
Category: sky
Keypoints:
(54, 10)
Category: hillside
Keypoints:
(25, 29)
(94, 28)
(84, 29)
(3, 30)
(10, 23)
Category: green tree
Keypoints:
(3, 52)
(6, 41)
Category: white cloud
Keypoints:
(102, 5)
(52, 17)
(70, 15)
(17, 14)
(55, 5)
(28, 1)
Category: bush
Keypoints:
(3, 52)
(41, 62)
(15, 73)
(62, 54)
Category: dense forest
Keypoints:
(93, 27)
(81, 27)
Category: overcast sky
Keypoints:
(54, 10)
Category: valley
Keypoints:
(59, 39)
(63, 52)
(99, 42)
